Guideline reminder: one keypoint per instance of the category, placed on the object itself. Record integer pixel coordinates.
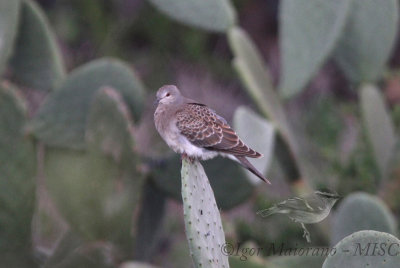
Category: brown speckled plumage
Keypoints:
(204, 128)
(193, 129)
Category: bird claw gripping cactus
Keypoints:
(202, 219)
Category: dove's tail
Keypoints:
(267, 212)
(246, 164)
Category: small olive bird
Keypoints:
(310, 209)
(196, 131)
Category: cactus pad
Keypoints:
(37, 61)
(202, 219)
(366, 249)
(61, 121)
(361, 211)
(17, 174)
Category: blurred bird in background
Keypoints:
(310, 209)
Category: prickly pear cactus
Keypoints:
(379, 127)
(366, 249)
(94, 189)
(202, 219)
(361, 211)
(61, 120)
(37, 61)
(197, 13)
(9, 13)
(17, 181)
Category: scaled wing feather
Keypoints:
(204, 128)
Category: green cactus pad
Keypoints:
(309, 31)
(110, 132)
(61, 121)
(366, 249)
(81, 184)
(36, 62)
(255, 76)
(202, 219)
(361, 57)
(110, 127)
(256, 79)
(227, 178)
(379, 127)
(361, 211)
(9, 13)
(212, 15)
(17, 174)
(95, 190)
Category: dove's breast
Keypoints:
(175, 140)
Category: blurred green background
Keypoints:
(85, 180)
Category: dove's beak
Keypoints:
(157, 100)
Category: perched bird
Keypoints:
(196, 131)
(310, 209)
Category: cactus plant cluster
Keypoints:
(362, 220)
(85, 130)
(80, 143)
(339, 30)
(17, 180)
(81, 147)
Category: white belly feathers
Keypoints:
(182, 145)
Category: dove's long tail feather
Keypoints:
(246, 164)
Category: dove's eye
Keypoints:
(168, 95)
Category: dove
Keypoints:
(310, 209)
(195, 131)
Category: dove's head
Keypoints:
(168, 94)
(328, 198)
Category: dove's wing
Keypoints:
(204, 128)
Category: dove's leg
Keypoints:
(306, 233)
